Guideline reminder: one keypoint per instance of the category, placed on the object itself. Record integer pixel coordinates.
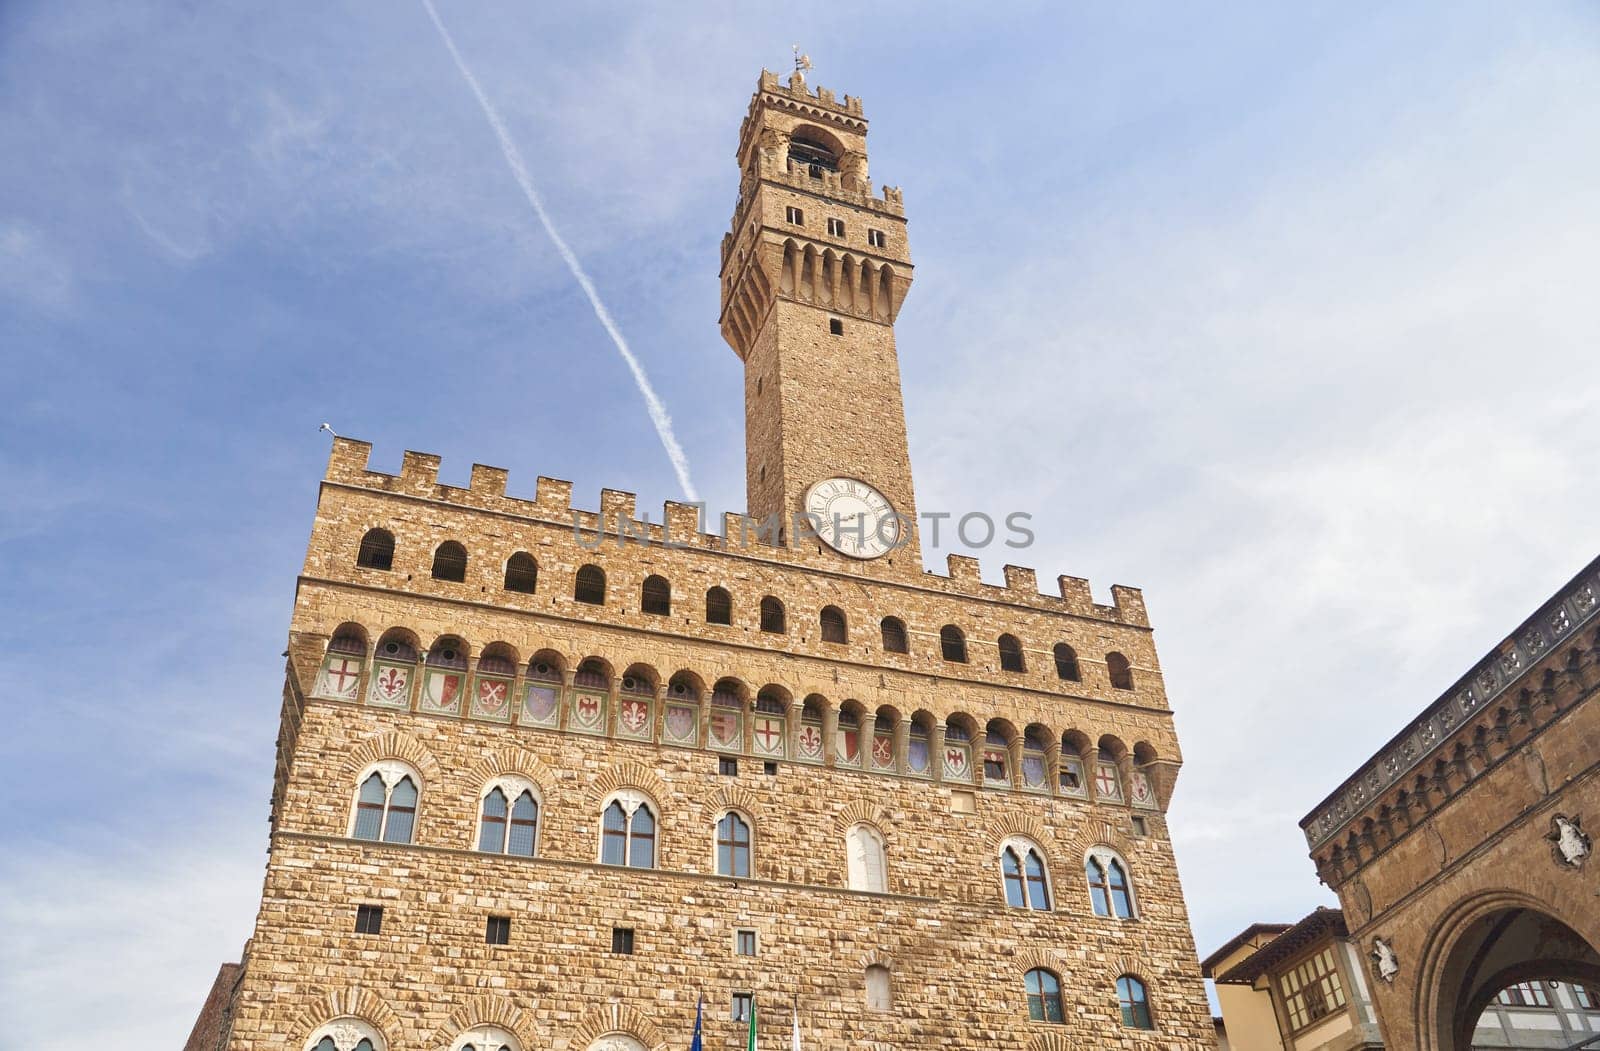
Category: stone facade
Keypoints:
(1458, 852)
(804, 737)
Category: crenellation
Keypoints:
(553, 497)
(1021, 579)
(489, 481)
(963, 571)
(419, 473)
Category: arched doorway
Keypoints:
(1497, 943)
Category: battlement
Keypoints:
(797, 91)
(682, 525)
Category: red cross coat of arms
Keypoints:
(768, 732)
(339, 678)
(1105, 781)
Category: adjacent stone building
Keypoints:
(1459, 851)
(549, 776)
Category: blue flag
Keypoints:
(695, 1045)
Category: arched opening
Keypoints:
(655, 597)
(772, 619)
(833, 625)
(377, 550)
(1507, 954)
(894, 635)
(809, 151)
(590, 586)
(1011, 658)
(450, 562)
(1120, 670)
(522, 573)
(953, 644)
(719, 606)
(1066, 663)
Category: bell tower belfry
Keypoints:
(814, 271)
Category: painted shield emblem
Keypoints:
(725, 728)
(680, 723)
(882, 751)
(635, 716)
(390, 686)
(1141, 788)
(1033, 771)
(917, 755)
(339, 678)
(541, 704)
(441, 691)
(955, 762)
(1105, 782)
(810, 742)
(588, 711)
(492, 697)
(768, 732)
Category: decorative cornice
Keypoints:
(1503, 668)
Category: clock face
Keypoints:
(853, 518)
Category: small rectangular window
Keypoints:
(741, 1007)
(744, 943)
(622, 940)
(835, 326)
(795, 216)
(836, 227)
(498, 930)
(770, 767)
(727, 766)
(1139, 826)
(875, 238)
(369, 919)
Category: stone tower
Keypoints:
(814, 271)
(548, 774)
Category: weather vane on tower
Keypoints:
(802, 63)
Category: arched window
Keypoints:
(953, 644)
(510, 819)
(1109, 891)
(847, 741)
(1044, 995)
(655, 597)
(1135, 1003)
(1121, 672)
(376, 550)
(346, 1034)
(590, 586)
(1066, 663)
(808, 151)
(450, 562)
(628, 832)
(1011, 654)
(865, 867)
(719, 606)
(386, 804)
(879, 997)
(486, 1038)
(1022, 869)
(772, 620)
(833, 625)
(894, 635)
(733, 846)
(1035, 773)
(522, 573)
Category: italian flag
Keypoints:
(750, 1041)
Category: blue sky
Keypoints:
(1285, 315)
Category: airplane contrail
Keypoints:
(519, 170)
